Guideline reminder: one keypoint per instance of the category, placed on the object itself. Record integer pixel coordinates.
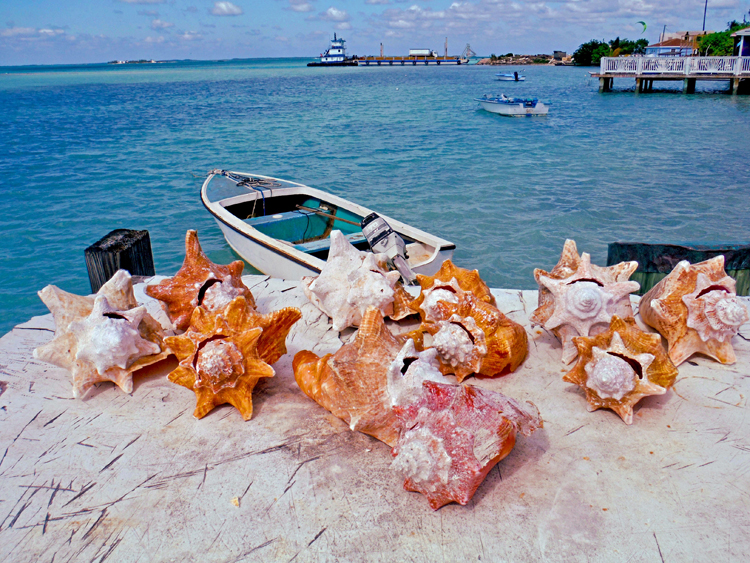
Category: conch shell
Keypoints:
(697, 310)
(473, 336)
(199, 282)
(453, 436)
(219, 358)
(448, 285)
(352, 281)
(353, 383)
(619, 367)
(102, 337)
(581, 302)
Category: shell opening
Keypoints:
(407, 362)
(592, 280)
(203, 345)
(204, 288)
(637, 368)
(468, 332)
(115, 316)
(711, 288)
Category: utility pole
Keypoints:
(705, 8)
(663, 32)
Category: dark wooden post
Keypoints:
(122, 249)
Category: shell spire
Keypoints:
(219, 359)
(199, 282)
(697, 310)
(583, 302)
(619, 367)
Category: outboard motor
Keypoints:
(385, 240)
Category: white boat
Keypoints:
(514, 107)
(282, 228)
(510, 77)
(335, 55)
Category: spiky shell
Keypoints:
(619, 367)
(475, 338)
(696, 309)
(582, 302)
(199, 282)
(448, 284)
(104, 342)
(453, 435)
(350, 282)
(353, 383)
(219, 359)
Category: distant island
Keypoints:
(559, 58)
(138, 62)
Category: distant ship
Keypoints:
(335, 55)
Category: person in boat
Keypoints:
(515, 74)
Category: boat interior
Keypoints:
(302, 222)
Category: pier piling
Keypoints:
(121, 249)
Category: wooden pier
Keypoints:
(645, 70)
(412, 60)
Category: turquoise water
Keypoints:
(84, 150)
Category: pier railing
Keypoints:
(704, 66)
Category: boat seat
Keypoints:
(317, 245)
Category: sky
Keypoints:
(89, 31)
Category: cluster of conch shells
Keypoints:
(578, 298)
(352, 281)
(446, 438)
(620, 366)
(102, 337)
(468, 331)
(697, 310)
(223, 354)
(453, 435)
(199, 282)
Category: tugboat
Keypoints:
(335, 55)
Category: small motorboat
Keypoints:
(514, 107)
(511, 77)
(283, 228)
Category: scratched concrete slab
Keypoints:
(132, 478)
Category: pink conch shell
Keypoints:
(199, 282)
(407, 372)
(475, 337)
(697, 310)
(219, 357)
(353, 383)
(619, 367)
(105, 337)
(453, 435)
(350, 282)
(583, 302)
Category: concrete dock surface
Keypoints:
(135, 478)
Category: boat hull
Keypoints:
(280, 259)
(514, 110)
(342, 63)
(511, 78)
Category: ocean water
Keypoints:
(88, 149)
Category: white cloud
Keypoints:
(343, 26)
(18, 32)
(152, 40)
(335, 15)
(158, 24)
(377, 2)
(226, 9)
(191, 36)
(143, 1)
(300, 6)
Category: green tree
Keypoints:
(601, 51)
(720, 44)
(584, 54)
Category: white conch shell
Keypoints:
(109, 338)
(717, 313)
(611, 376)
(407, 372)
(585, 302)
(460, 342)
(350, 282)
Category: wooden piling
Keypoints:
(122, 249)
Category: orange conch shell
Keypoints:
(219, 357)
(581, 302)
(619, 367)
(102, 337)
(453, 435)
(199, 282)
(353, 383)
(473, 336)
(697, 310)
(448, 284)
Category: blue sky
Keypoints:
(86, 31)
